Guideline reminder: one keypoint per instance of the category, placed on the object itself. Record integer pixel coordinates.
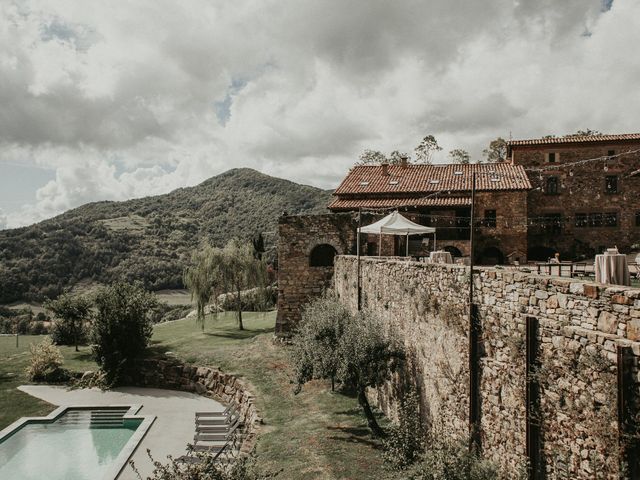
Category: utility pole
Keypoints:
(358, 251)
(474, 368)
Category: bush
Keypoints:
(206, 469)
(37, 328)
(46, 362)
(122, 327)
(405, 442)
(450, 460)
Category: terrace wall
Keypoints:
(581, 326)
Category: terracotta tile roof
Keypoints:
(375, 203)
(575, 139)
(422, 179)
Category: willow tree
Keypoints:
(201, 278)
(238, 269)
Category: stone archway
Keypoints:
(322, 255)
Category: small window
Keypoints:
(637, 219)
(610, 219)
(551, 157)
(552, 186)
(611, 153)
(582, 220)
(552, 222)
(490, 218)
(611, 184)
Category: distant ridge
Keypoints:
(147, 239)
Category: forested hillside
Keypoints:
(148, 239)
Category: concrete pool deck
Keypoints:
(174, 410)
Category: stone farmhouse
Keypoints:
(573, 195)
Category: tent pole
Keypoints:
(380, 245)
(407, 245)
(434, 242)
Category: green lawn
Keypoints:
(13, 362)
(314, 435)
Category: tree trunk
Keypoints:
(371, 419)
(239, 305)
(75, 335)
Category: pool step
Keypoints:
(94, 418)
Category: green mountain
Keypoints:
(148, 239)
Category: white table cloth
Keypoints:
(612, 268)
(440, 257)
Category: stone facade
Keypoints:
(580, 328)
(172, 374)
(570, 209)
(298, 279)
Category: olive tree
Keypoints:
(333, 343)
(71, 312)
(122, 327)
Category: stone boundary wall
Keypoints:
(172, 374)
(581, 326)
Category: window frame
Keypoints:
(490, 220)
(556, 190)
(616, 184)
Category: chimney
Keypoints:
(385, 169)
(404, 161)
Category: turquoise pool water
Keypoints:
(64, 449)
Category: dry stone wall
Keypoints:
(581, 326)
(172, 374)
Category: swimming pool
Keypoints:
(73, 443)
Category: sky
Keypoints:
(114, 100)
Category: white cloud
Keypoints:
(143, 99)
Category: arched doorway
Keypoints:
(540, 253)
(454, 251)
(491, 256)
(322, 255)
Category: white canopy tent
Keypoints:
(395, 224)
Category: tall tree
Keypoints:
(122, 327)
(72, 311)
(428, 146)
(397, 157)
(497, 151)
(201, 278)
(585, 133)
(238, 270)
(459, 156)
(371, 157)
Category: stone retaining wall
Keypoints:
(170, 373)
(581, 326)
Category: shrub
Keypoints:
(206, 469)
(122, 327)
(46, 362)
(37, 328)
(405, 442)
(450, 460)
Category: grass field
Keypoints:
(314, 435)
(13, 362)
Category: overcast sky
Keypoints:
(113, 100)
